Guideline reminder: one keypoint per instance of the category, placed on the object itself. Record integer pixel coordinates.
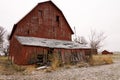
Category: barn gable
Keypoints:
(32, 12)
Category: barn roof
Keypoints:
(15, 25)
(51, 43)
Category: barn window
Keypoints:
(57, 18)
(40, 12)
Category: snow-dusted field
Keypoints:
(104, 72)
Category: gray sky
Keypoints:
(100, 15)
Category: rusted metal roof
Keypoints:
(51, 43)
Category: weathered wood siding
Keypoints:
(44, 21)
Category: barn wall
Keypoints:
(74, 55)
(44, 21)
(15, 51)
(30, 54)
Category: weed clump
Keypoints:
(55, 61)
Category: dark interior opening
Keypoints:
(40, 60)
(57, 18)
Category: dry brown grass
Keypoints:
(55, 61)
(82, 64)
(116, 57)
(6, 68)
(101, 59)
(48, 70)
(29, 69)
(67, 66)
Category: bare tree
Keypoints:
(96, 39)
(2, 32)
(77, 39)
(6, 48)
(80, 40)
(83, 40)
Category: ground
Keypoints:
(103, 72)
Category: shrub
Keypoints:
(55, 61)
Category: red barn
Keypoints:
(43, 31)
(106, 52)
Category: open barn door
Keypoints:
(49, 56)
(40, 59)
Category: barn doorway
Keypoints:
(45, 58)
(49, 55)
(40, 59)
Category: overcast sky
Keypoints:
(85, 15)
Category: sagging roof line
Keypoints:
(51, 43)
